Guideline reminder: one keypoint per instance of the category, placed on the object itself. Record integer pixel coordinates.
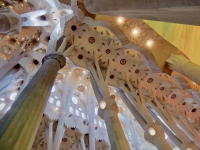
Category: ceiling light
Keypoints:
(120, 20)
(149, 42)
(135, 32)
(102, 104)
(56, 109)
(152, 131)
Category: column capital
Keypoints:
(56, 55)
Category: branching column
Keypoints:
(185, 67)
(116, 135)
(19, 126)
(108, 109)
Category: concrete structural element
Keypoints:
(11, 22)
(29, 106)
(184, 66)
(93, 75)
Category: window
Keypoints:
(58, 103)
(53, 89)
(71, 110)
(2, 105)
(51, 100)
(2, 99)
(100, 124)
(74, 100)
(83, 116)
(77, 113)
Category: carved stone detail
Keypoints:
(56, 55)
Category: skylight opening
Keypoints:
(74, 100)
(53, 89)
(2, 99)
(71, 110)
(13, 96)
(83, 116)
(2, 105)
(77, 113)
(58, 103)
(51, 100)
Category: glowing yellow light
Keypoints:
(135, 32)
(102, 104)
(149, 42)
(120, 20)
(152, 131)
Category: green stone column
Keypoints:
(116, 134)
(19, 126)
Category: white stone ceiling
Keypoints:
(119, 66)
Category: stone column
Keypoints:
(82, 143)
(49, 136)
(155, 135)
(109, 113)
(132, 109)
(184, 66)
(19, 126)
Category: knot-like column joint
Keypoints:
(106, 104)
(155, 135)
(56, 55)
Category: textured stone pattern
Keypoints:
(105, 5)
(115, 132)
(19, 126)
(58, 56)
